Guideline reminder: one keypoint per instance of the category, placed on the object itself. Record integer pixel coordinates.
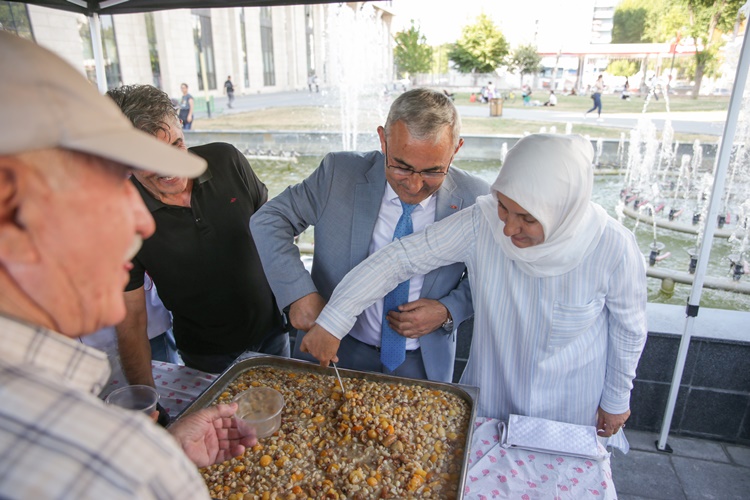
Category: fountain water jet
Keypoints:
(654, 179)
(351, 33)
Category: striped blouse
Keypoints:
(554, 347)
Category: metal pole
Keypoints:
(720, 171)
(95, 27)
(204, 79)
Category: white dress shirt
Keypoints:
(367, 329)
(551, 347)
(159, 320)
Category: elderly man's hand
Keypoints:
(304, 311)
(210, 436)
(418, 318)
(321, 345)
(609, 423)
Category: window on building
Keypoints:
(266, 46)
(204, 47)
(309, 39)
(153, 50)
(243, 34)
(14, 17)
(110, 54)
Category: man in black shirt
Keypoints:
(202, 257)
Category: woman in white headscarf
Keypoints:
(558, 286)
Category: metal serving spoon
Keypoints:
(338, 377)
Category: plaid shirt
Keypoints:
(58, 440)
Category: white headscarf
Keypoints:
(551, 176)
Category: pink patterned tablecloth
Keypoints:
(494, 471)
(177, 385)
(497, 472)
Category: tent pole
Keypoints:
(95, 26)
(717, 193)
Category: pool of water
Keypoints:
(279, 174)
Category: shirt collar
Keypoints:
(392, 197)
(53, 355)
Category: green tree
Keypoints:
(525, 60)
(629, 21)
(481, 49)
(440, 59)
(666, 20)
(623, 67)
(702, 20)
(411, 54)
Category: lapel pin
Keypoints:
(454, 207)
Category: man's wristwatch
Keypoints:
(448, 325)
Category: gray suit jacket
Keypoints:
(341, 198)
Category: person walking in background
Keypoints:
(229, 89)
(312, 81)
(186, 108)
(596, 95)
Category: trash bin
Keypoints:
(496, 107)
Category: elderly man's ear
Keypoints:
(16, 244)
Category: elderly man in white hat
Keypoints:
(558, 287)
(70, 221)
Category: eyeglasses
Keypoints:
(404, 172)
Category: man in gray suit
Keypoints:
(354, 200)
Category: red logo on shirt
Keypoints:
(454, 207)
(232, 200)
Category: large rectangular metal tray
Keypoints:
(249, 361)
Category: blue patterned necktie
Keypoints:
(393, 345)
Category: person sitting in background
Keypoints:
(70, 220)
(626, 90)
(526, 95)
(552, 101)
(558, 287)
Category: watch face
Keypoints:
(448, 325)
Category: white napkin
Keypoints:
(550, 436)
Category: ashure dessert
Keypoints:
(377, 440)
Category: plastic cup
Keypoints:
(135, 397)
(259, 411)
